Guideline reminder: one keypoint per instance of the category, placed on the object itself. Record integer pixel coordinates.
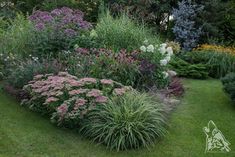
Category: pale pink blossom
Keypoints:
(79, 102)
(62, 109)
(106, 81)
(37, 77)
(77, 91)
(88, 80)
(119, 91)
(51, 99)
(101, 99)
(94, 93)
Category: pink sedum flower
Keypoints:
(94, 93)
(62, 109)
(78, 103)
(88, 80)
(119, 91)
(106, 82)
(77, 91)
(101, 99)
(51, 99)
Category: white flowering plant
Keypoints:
(159, 56)
(7, 62)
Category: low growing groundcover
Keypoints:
(24, 133)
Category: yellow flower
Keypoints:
(216, 48)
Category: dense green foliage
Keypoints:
(24, 72)
(185, 69)
(17, 38)
(219, 64)
(217, 18)
(152, 12)
(218, 21)
(127, 122)
(229, 85)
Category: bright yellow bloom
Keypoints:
(216, 48)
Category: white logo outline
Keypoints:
(215, 140)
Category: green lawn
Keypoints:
(27, 134)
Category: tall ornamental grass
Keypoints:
(17, 37)
(122, 32)
(127, 122)
(219, 64)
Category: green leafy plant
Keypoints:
(25, 71)
(229, 85)
(152, 12)
(185, 69)
(17, 38)
(127, 122)
(219, 64)
(48, 43)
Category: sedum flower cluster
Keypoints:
(66, 98)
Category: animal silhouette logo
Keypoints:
(215, 140)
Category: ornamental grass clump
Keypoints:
(66, 99)
(127, 122)
(122, 32)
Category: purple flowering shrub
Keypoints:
(66, 98)
(56, 30)
(65, 19)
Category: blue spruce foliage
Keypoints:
(185, 29)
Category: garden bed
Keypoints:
(24, 133)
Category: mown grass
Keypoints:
(26, 134)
